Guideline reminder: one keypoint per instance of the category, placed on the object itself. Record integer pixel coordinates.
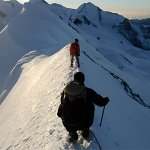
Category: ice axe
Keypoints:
(102, 116)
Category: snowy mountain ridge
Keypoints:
(84, 15)
(8, 10)
(35, 66)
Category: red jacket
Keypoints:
(75, 49)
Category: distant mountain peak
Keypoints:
(88, 5)
(33, 1)
(37, 1)
(11, 1)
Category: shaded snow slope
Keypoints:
(10, 53)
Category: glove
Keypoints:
(106, 100)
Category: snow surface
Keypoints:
(35, 66)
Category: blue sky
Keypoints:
(127, 8)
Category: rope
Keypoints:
(100, 148)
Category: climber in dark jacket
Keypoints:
(79, 115)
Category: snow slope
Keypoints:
(28, 114)
(40, 29)
(40, 90)
(40, 62)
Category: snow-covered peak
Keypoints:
(87, 6)
(9, 6)
(90, 10)
(39, 24)
(37, 1)
(8, 10)
(88, 14)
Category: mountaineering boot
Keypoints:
(73, 136)
(85, 133)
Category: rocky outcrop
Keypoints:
(3, 15)
(129, 33)
(77, 21)
(136, 34)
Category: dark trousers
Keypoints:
(77, 60)
(73, 131)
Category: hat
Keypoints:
(76, 40)
(79, 77)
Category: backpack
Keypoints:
(74, 103)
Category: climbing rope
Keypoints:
(99, 145)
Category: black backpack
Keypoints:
(74, 103)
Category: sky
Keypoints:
(127, 8)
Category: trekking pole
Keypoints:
(102, 116)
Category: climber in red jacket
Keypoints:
(75, 52)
